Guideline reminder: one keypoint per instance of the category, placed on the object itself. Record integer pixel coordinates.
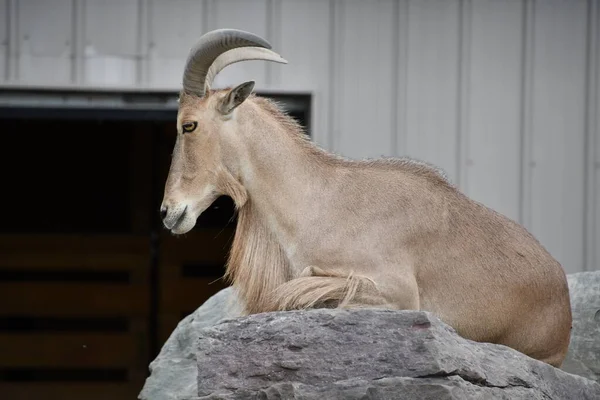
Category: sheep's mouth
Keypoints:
(173, 220)
(179, 219)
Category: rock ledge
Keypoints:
(367, 354)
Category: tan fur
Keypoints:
(319, 230)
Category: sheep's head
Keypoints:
(203, 164)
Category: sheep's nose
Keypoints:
(163, 212)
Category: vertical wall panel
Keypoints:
(593, 142)
(365, 92)
(44, 41)
(174, 28)
(526, 203)
(399, 145)
(12, 71)
(249, 16)
(78, 42)
(432, 108)
(558, 126)
(465, 29)
(594, 239)
(4, 27)
(143, 44)
(111, 42)
(304, 42)
(493, 141)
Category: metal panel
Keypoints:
(557, 129)
(174, 28)
(304, 42)
(433, 91)
(365, 95)
(5, 24)
(401, 46)
(249, 16)
(594, 239)
(492, 131)
(44, 41)
(111, 42)
(593, 140)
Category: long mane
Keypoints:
(257, 264)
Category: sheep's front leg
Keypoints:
(317, 288)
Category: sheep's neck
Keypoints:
(284, 179)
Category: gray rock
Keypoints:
(368, 354)
(173, 372)
(583, 357)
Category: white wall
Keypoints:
(503, 94)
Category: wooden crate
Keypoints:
(74, 312)
(191, 269)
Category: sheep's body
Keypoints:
(317, 230)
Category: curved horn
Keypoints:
(236, 55)
(210, 46)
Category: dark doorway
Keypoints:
(86, 271)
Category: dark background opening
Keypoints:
(99, 173)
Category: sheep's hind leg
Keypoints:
(316, 288)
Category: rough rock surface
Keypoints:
(584, 350)
(368, 354)
(173, 373)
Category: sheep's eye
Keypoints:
(189, 126)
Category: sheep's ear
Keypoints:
(235, 97)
